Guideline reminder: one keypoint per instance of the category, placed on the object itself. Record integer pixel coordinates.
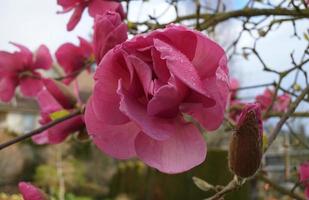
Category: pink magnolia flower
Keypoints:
(109, 30)
(303, 172)
(20, 68)
(280, 105)
(30, 192)
(74, 58)
(55, 99)
(142, 88)
(95, 7)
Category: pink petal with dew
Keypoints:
(184, 150)
(114, 140)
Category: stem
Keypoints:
(39, 130)
(281, 189)
(285, 117)
(253, 86)
(214, 19)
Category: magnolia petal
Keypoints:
(76, 16)
(114, 140)
(30, 87)
(105, 98)
(48, 104)
(43, 59)
(304, 173)
(108, 32)
(30, 192)
(166, 99)
(7, 88)
(99, 7)
(155, 127)
(41, 138)
(67, 3)
(159, 66)
(61, 131)
(143, 72)
(184, 150)
(180, 66)
(183, 39)
(9, 63)
(207, 56)
(24, 55)
(61, 93)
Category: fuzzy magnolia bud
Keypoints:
(246, 145)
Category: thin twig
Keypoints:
(39, 130)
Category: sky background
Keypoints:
(35, 22)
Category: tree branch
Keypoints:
(39, 130)
(214, 19)
(281, 189)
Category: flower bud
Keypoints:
(246, 149)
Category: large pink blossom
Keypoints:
(142, 88)
(95, 7)
(109, 30)
(303, 171)
(74, 58)
(53, 98)
(21, 68)
(30, 192)
(281, 103)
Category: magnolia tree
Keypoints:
(158, 87)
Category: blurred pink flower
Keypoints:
(303, 172)
(20, 68)
(143, 86)
(74, 58)
(109, 30)
(281, 104)
(30, 192)
(234, 85)
(56, 99)
(95, 7)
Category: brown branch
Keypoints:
(295, 114)
(39, 130)
(286, 116)
(214, 19)
(254, 86)
(231, 186)
(281, 189)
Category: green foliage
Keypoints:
(143, 183)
